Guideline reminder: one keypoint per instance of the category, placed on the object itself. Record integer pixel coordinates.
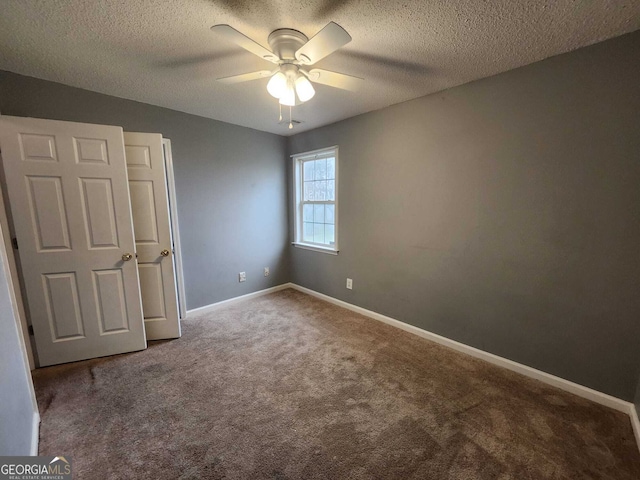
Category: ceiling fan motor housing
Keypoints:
(290, 71)
(284, 42)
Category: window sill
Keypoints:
(315, 248)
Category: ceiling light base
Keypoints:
(284, 42)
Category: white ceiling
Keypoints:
(162, 52)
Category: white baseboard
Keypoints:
(635, 423)
(566, 385)
(35, 434)
(241, 298)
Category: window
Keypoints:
(316, 200)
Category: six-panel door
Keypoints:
(67, 186)
(152, 231)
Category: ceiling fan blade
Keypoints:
(245, 77)
(326, 41)
(233, 35)
(334, 79)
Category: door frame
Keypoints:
(175, 230)
(17, 312)
(12, 266)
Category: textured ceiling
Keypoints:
(162, 52)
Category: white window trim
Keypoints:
(297, 205)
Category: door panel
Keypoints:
(138, 156)
(38, 148)
(149, 202)
(145, 226)
(48, 213)
(91, 150)
(111, 300)
(151, 283)
(69, 197)
(99, 213)
(63, 306)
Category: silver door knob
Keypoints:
(126, 257)
(164, 253)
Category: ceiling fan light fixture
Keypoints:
(291, 49)
(277, 86)
(289, 96)
(304, 89)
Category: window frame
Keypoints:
(298, 185)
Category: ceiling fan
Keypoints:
(293, 52)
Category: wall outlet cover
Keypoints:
(266, 271)
(242, 277)
(349, 284)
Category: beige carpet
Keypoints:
(288, 387)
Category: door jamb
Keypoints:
(175, 231)
(14, 275)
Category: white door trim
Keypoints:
(635, 423)
(175, 230)
(15, 297)
(13, 271)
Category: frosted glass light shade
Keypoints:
(304, 89)
(277, 85)
(289, 96)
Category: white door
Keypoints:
(68, 192)
(152, 232)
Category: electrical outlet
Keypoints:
(266, 271)
(242, 277)
(349, 284)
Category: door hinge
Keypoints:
(14, 242)
(30, 329)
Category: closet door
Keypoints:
(68, 193)
(152, 232)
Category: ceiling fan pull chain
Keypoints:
(280, 117)
(290, 122)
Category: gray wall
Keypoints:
(504, 214)
(16, 394)
(230, 183)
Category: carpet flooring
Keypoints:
(286, 386)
